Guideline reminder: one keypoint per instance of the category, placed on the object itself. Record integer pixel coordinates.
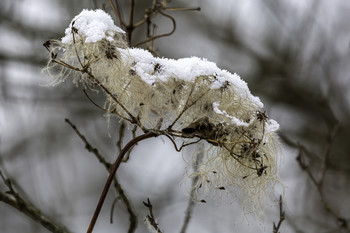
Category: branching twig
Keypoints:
(88, 146)
(188, 105)
(112, 174)
(282, 218)
(150, 217)
(120, 140)
(133, 131)
(191, 200)
(161, 35)
(132, 119)
(121, 136)
(117, 186)
(12, 198)
(319, 182)
(157, 8)
(112, 209)
(117, 13)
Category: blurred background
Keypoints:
(294, 55)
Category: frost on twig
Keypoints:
(190, 98)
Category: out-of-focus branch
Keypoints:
(282, 218)
(32, 59)
(117, 13)
(15, 200)
(88, 146)
(117, 186)
(191, 200)
(161, 35)
(120, 140)
(113, 171)
(343, 223)
(151, 221)
(158, 7)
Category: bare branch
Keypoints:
(191, 200)
(88, 146)
(161, 35)
(112, 174)
(343, 223)
(328, 146)
(182, 9)
(150, 217)
(117, 13)
(15, 200)
(132, 119)
(117, 186)
(282, 218)
(133, 131)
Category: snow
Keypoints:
(94, 25)
(187, 69)
(234, 120)
(272, 126)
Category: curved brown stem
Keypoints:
(161, 35)
(112, 174)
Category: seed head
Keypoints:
(189, 98)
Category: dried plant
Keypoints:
(189, 99)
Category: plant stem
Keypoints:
(112, 174)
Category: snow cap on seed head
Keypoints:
(94, 25)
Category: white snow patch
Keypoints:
(187, 69)
(272, 126)
(234, 120)
(95, 25)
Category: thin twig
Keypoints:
(191, 200)
(112, 174)
(161, 35)
(112, 209)
(183, 144)
(116, 12)
(184, 108)
(12, 198)
(328, 146)
(124, 198)
(157, 8)
(88, 146)
(282, 217)
(319, 182)
(133, 119)
(150, 217)
(132, 11)
(182, 9)
(117, 186)
(121, 136)
(93, 102)
(133, 131)
(85, 70)
(120, 140)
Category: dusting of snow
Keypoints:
(94, 25)
(234, 120)
(186, 69)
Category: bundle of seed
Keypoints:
(191, 97)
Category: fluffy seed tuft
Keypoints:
(189, 98)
